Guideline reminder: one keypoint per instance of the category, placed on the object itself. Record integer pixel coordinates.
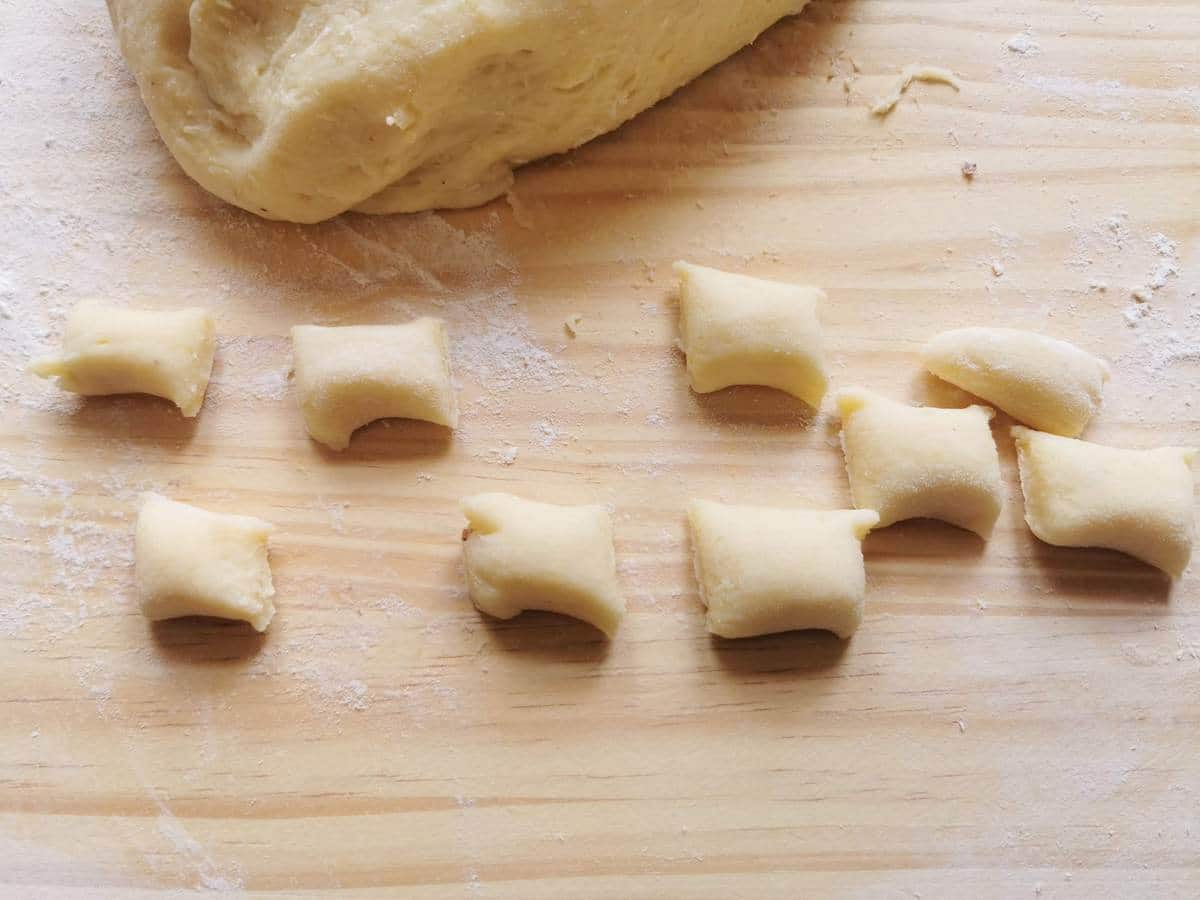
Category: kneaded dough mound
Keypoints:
(302, 109)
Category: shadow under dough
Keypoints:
(135, 418)
(791, 652)
(1083, 574)
(205, 641)
(391, 440)
(548, 637)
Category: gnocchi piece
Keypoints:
(524, 555)
(192, 562)
(765, 570)
(355, 374)
(740, 330)
(1047, 383)
(911, 462)
(110, 350)
(1079, 494)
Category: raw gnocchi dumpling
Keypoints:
(1047, 383)
(910, 462)
(192, 562)
(1139, 502)
(764, 570)
(524, 555)
(735, 329)
(355, 374)
(110, 350)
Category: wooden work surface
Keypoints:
(1012, 720)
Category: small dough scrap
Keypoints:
(524, 555)
(909, 74)
(911, 462)
(355, 374)
(1046, 383)
(1139, 502)
(765, 570)
(741, 330)
(192, 562)
(110, 350)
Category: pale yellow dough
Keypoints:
(302, 109)
(349, 376)
(764, 570)
(524, 555)
(111, 350)
(1139, 502)
(1044, 382)
(191, 562)
(736, 329)
(911, 462)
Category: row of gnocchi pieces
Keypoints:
(347, 376)
(760, 570)
(903, 462)
(522, 555)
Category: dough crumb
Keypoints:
(962, 726)
(519, 210)
(572, 324)
(909, 74)
(503, 456)
(969, 169)
(1023, 44)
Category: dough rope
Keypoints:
(303, 110)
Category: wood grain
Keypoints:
(1012, 720)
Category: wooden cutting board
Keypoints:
(1013, 720)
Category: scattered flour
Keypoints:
(397, 608)
(546, 434)
(1167, 264)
